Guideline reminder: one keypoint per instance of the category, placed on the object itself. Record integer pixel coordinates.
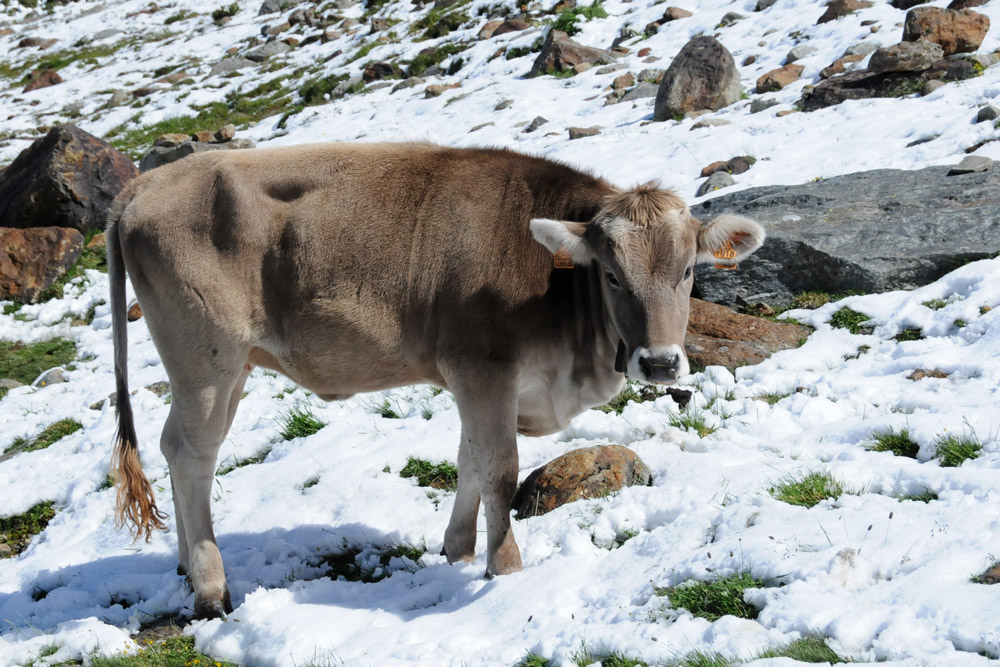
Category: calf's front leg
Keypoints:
(487, 405)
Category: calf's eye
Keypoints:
(687, 273)
(611, 279)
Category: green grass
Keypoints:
(17, 531)
(714, 599)
(182, 15)
(772, 397)
(373, 566)
(520, 51)
(981, 578)
(691, 420)
(960, 323)
(899, 444)
(811, 649)
(700, 659)
(242, 463)
(852, 320)
(954, 450)
(442, 475)
(52, 434)
(57, 60)
(314, 91)
(174, 652)
(935, 304)
(225, 12)
(299, 423)
(908, 335)
(433, 56)
(632, 391)
(25, 363)
(439, 22)
(386, 411)
(568, 18)
(808, 491)
(533, 660)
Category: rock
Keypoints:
(957, 31)
(717, 336)
(270, 7)
(560, 53)
(907, 4)
(503, 104)
(711, 122)
(643, 52)
(931, 86)
(224, 133)
(921, 373)
(985, 60)
(799, 52)
(651, 75)
(227, 65)
(777, 79)
(536, 123)
(763, 4)
(860, 49)
(702, 76)
(408, 82)
(160, 155)
(614, 67)
(991, 576)
(379, 71)
(6, 384)
(761, 104)
(262, 53)
(117, 99)
(202, 136)
(54, 376)
(436, 89)
(838, 8)
(623, 81)
(160, 389)
(872, 231)
(716, 181)
(488, 28)
(581, 132)
(481, 126)
(42, 79)
(5, 550)
(379, 24)
(971, 164)
(511, 25)
(674, 13)
(836, 67)
(729, 18)
(927, 138)
(134, 312)
(592, 472)
(32, 259)
(68, 178)
(307, 16)
(735, 165)
(966, 4)
(906, 57)
(643, 90)
(862, 84)
(988, 112)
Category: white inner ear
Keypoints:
(561, 234)
(745, 234)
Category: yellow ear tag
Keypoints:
(726, 253)
(562, 259)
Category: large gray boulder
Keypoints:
(702, 76)
(871, 231)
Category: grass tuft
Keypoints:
(442, 475)
(533, 660)
(52, 434)
(714, 599)
(691, 420)
(849, 319)
(299, 423)
(370, 563)
(242, 463)
(17, 531)
(25, 363)
(772, 397)
(899, 444)
(808, 491)
(633, 391)
(811, 649)
(701, 659)
(954, 450)
(925, 497)
(908, 335)
(173, 652)
(935, 304)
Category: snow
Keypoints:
(881, 579)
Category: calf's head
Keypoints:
(644, 243)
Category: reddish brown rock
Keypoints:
(560, 53)
(172, 139)
(990, 576)
(511, 25)
(202, 136)
(623, 81)
(643, 52)
(957, 31)
(838, 8)
(487, 30)
(42, 79)
(68, 178)
(922, 373)
(134, 312)
(718, 336)
(777, 79)
(674, 13)
(736, 165)
(32, 259)
(437, 89)
(592, 472)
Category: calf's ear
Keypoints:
(559, 235)
(733, 236)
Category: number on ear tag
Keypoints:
(727, 254)
(562, 259)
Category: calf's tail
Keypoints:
(135, 505)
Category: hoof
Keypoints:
(209, 609)
(181, 571)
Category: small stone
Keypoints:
(134, 312)
(581, 132)
(760, 104)
(927, 138)
(905, 57)
(9, 383)
(54, 376)
(436, 89)
(487, 30)
(837, 67)
(799, 52)
(224, 134)
(988, 112)
(920, 374)
(643, 52)
(269, 7)
(172, 139)
(861, 49)
(990, 576)
(202, 136)
(651, 75)
(931, 86)
(5, 550)
(43, 79)
(674, 13)
(644, 90)
(779, 78)
(749, 60)
(623, 81)
(711, 122)
(580, 68)
(503, 104)
(729, 18)
(784, 112)
(608, 69)
(838, 8)
(481, 126)
(161, 388)
(536, 123)
(971, 164)
(227, 65)
(763, 4)
(716, 181)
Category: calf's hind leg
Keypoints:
(203, 404)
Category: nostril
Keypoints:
(645, 366)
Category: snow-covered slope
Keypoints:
(878, 577)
